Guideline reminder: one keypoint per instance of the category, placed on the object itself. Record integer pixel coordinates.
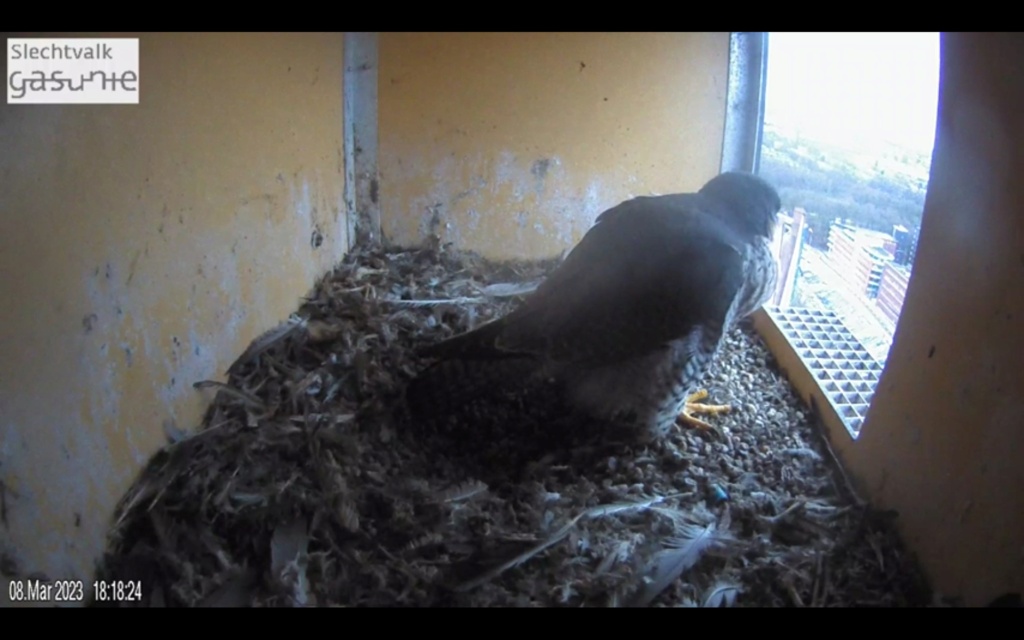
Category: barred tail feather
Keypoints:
(450, 385)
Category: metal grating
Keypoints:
(845, 371)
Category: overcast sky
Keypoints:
(855, 89)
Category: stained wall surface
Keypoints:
(511, 144)
(142, 248)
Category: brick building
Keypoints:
(860, 255)
(892, 290)
(876, 265)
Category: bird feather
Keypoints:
(721, 594)
(463, 491)
(682, 551)
(559, 535)
(681, 554)
(268, 339)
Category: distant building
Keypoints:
(904, 245)
(874, 264)
(872, 268)
(892, 290)
(818, 227)
(860, 256)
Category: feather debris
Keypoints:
(429, 303)
(246, 398)
(721, 594)
(288, 543)
(508, 289)
(289, 561)
(268, 339)
(682, 552)
(599, 511)
(396, 514)
(464, 491)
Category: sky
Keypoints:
(856, 90)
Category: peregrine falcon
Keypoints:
(629, 322)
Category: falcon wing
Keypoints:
(650, 271)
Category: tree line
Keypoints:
(828, 186)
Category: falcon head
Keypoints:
(753, 203)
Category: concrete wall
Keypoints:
(142, 248)
(510, 144)
(944, 438)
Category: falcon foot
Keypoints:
(694, 406)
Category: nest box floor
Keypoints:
(301, 488)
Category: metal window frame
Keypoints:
(744, 111)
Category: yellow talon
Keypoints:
(693, 405)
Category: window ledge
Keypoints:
(826, 365)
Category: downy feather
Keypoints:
(681, 552)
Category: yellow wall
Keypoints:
(519, 140)
(142, 248)
(944, 440)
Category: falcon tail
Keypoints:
(449, 386)
(478, 344)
